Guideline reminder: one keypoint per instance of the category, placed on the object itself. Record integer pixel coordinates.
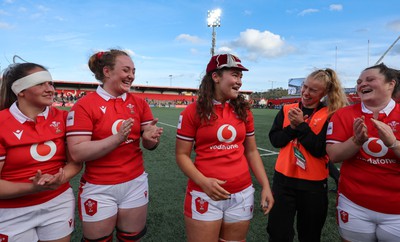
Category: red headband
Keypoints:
(99, 55)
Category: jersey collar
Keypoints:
(386, 110)
(106, 96)
(215, 102)
(22, 118)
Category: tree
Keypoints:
(271, 93)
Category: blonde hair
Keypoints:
(335, 96)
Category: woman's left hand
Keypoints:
(296, 117)
(267, 200)
(385, 132)
(48, 181)
(151, 132)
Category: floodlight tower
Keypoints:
(213, 20)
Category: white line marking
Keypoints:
(169, 125)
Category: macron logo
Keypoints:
(18, 134)
(103, 109)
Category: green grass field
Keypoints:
(167, 184)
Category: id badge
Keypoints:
(300, 160)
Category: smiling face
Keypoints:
(227, 84)
(373, 89)
(119, 79)
(312, 91)
(40, 95)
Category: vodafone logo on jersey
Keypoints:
(43, 151)
(226, 133)
(116, 126)
(377, 151)
(375, 147)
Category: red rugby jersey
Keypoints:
(27, 146)
(371, 178)
(99, 116)
(219, 145)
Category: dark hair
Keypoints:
(12, 73)
(390, 74)
(397, 85)
(206, 96)
(101, 59)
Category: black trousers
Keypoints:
(308, 204)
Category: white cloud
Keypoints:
(36, 15)
(336, 7)
(189, 38)
(62, 37)
(9, 1)
(43, 8)
(194, 51)
(4, 25)
(224, 49)
(291, 11)
(308, 11)
(2, 12)
(394, 25)
(262, 44)
(247, 12)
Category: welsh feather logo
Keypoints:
(344, 216)
(90, 207)
(131, 108)
(201, 205)
(56, 126)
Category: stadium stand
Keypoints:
(67, 93)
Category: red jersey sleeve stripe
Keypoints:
(184, 137)
(331, 141)
(74, 133)
(250, 133)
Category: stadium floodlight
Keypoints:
(213, 20)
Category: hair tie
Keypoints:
(99, 55)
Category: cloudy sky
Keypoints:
(170, 43)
